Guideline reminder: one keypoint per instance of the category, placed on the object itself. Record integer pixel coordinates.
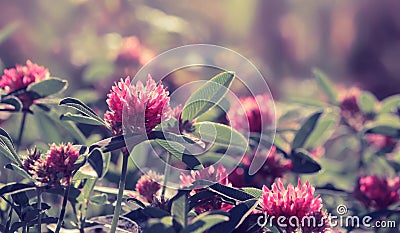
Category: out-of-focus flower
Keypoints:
(132, 53)
(143, 107)
(181, 127)
(211, 174)
(350, 110)
(248, 115)
(298, 202)
(239, 176)
(275, 166)
(60, 161)
(378, 193)
(218, 175)
(317, 152)
(148, 185)
(382, 142)
(177, 111)
(20, 77)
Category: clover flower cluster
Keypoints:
(55, 167)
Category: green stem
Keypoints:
(9, 220)
(117, 211)
(82, 218)
(21, 130)
(78, 222)
(39, 206)
(85, 205)
(362, 151)
(166, 172)
(63, 209)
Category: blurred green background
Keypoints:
(94, 43)
(353, 41)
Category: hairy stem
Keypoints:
(117, 211)
(21, 130)
(166, 172)
(63, 209)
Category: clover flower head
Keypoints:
(55, 167)
(35, 165)
(381, 142)
(275, 166)
(377, 192)
(299, 201)
(21, 76)
(247, 115)
(60, 161)
(209, 173)
(148, 185)
(350, 110)
(142, 106)
(133, 53)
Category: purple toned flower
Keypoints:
(55, 168)
(35, 166)
(132, 53)
(321, 225)
(349, 100)
(317, 152)
(211, 174)
(293, 201)
(30, 160)
(148, 185)
(378, 193)
(161, 203)
(239, 176)
(115, 101)
(275, 166)
(143, 107)
(177, 111)
(39, 171)
(247, 115)
(350, 111)
(60, 161)
(381, 142)
(20, 77)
